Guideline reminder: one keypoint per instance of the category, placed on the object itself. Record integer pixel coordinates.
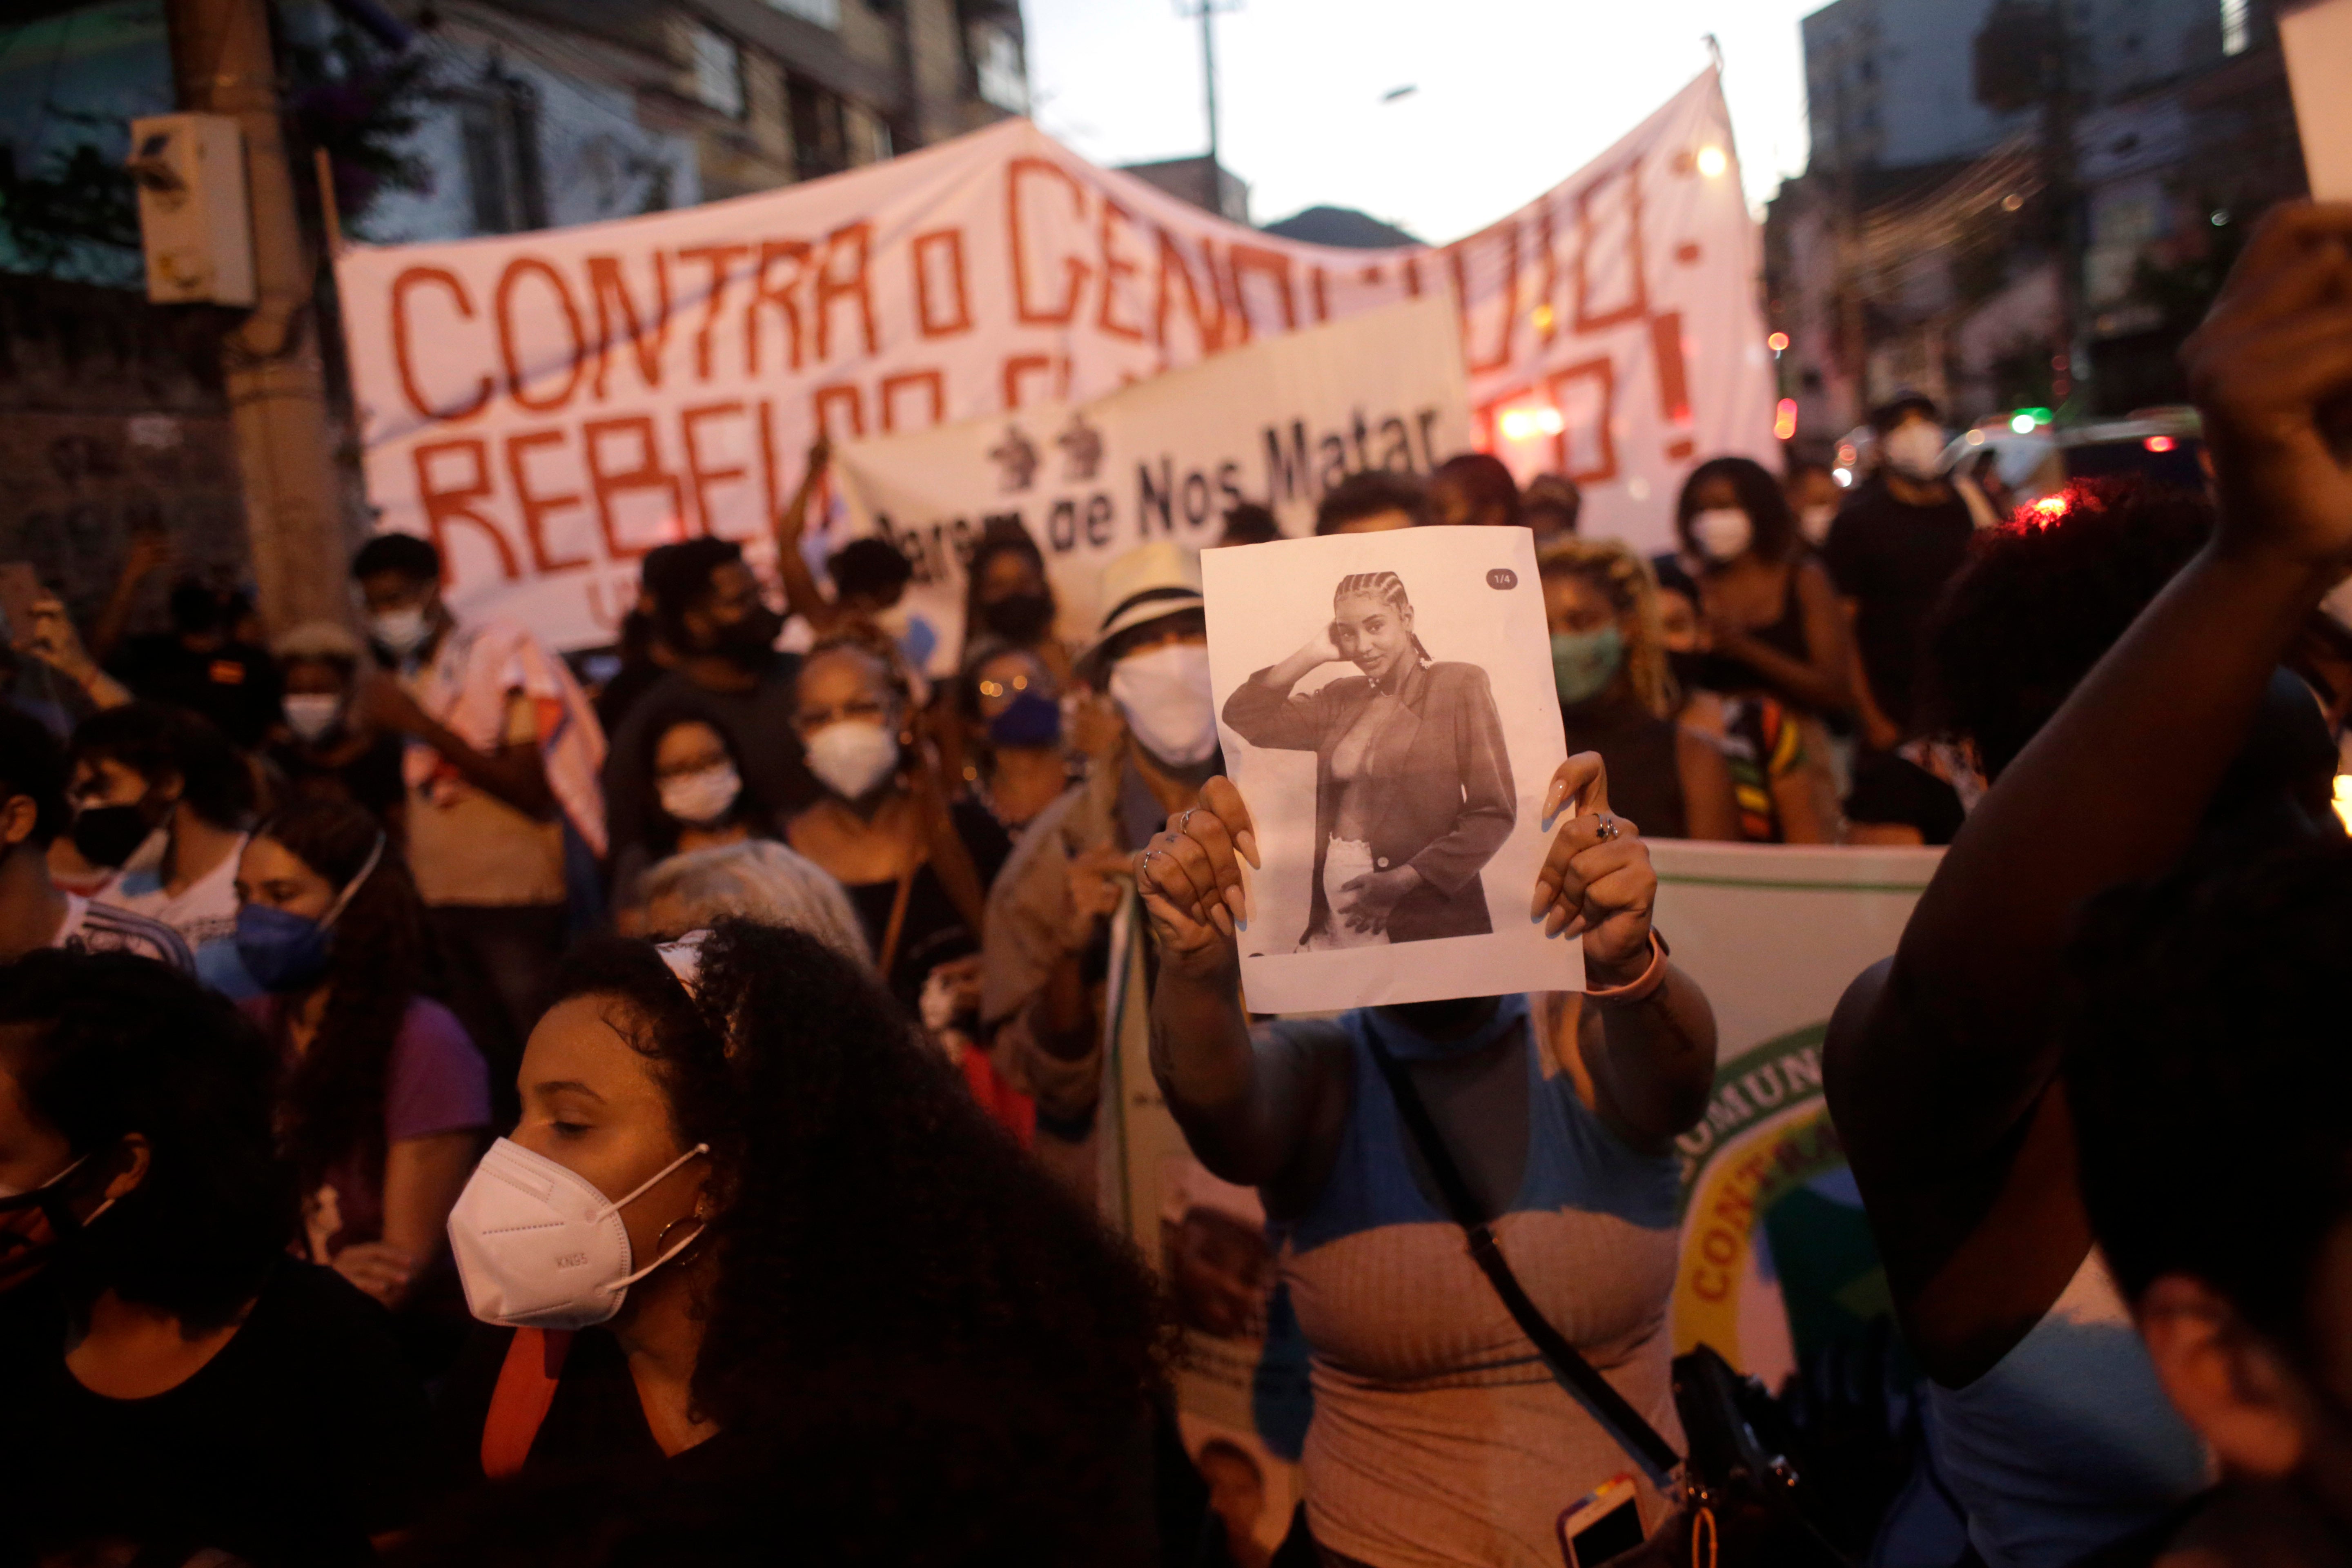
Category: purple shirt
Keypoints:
(434, 1082)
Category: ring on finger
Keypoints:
(1184, 821)
(1607, 829)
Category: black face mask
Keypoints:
(1022, 619)
(750, 641)
(109, 835)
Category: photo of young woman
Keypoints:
(1414, 792)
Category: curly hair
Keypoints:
(376, 967)
(1777, 536)
(119, 1046)
(1617, 572)
(2207, 1076)
(873, 1222)
(2042, 599)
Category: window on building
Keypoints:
(820, 129)
(497, 125)
(718, 70)
(2236, 27)
(996, 67)
(823, 13)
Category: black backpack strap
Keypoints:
(1634, 1434)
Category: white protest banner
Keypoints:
(547, 407)
(1386, 706)
(1777, 1255)
(1165, 457)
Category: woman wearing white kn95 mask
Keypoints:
(747, 1216)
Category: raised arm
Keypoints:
(1929, 1076)
(1246, 1106)
(803, 596)
(1652, 1058)
(1260, 709)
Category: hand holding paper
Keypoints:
(1596, 880)
(1191, 879)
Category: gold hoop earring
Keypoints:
(700, 1218)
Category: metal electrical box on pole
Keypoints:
(294, 511)
(192, 218)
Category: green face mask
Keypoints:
(1584, 663)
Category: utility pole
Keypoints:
(1209, 69)
(1206, 10)
(221, 64)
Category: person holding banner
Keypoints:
(1439, 1433)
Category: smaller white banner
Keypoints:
(1278, 423)
(1386, 706)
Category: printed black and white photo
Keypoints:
(1413, 778)
(1385, 706)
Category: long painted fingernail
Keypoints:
(1237, 901)
(1247, 842)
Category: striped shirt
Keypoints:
(102, 928)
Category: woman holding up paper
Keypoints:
(1440, 1435)
(1412, 784)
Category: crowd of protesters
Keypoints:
(453, 1113)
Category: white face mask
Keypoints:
(538, 1247)
(852, 756)
(702, 797)
(1913, 450)
(402, 631)
(1815, 521)
(1722, 532)
(1165, 697)
(312, 715)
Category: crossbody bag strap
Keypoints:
(1634, 1434)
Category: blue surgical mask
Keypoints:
(287, 953)
(1031, 718)
(1584, 663)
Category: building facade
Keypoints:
(2049, 248)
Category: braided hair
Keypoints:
(1386, 586)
